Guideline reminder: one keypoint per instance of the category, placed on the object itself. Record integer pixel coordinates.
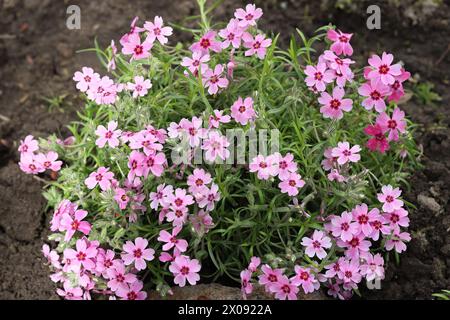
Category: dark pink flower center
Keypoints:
(345, 226)
(249, 16)
(286, 288)
(304, 275)
(263, 165)
(205, 43)
(335, 104)
(343, 39)
(347, 153)
(108, 135)
(179, 213)
(157, 31)
(283, 164)
(318, 76)
(363, 219)
(137, 253)
(184, 270)
(375, 95)
(389, 198)
(392, 124)
(395, 218)
(242, 109)
(138, 87)
(178, 202)
(383, 69)
(47, 164)
(354, 242)
(230, 36)
(348, 274)
(316, 244)
(138, 49)
(75, 224)
(87, 79)
(173, 240)
(214, 79)
(99, 177)
(256, 45)
(131, 295)
(272, 278)
(292, 183)
(81, 256)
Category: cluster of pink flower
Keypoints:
(337, 160)
(237, 32)
(352, 233)
(276, 165)
(34, 163)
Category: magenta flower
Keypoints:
(72, 224)
(213, 79)
(155, 164)
(198, 61)
(69, 292)
(206, 43)
(137, 49)
(217, 118)
(343, 226)
(373, 267)
(85, 78)
(270, 277)
(161, 196)
(231, 34)
(364, 218)
(118, 277)
(285, 165)
(291, 184)
(140, 86)
(318, 76)
(216, 146)
(49, 161)
(209, 197)
(110, 135)
(397, 218)
(248, 16)
(28, 164)
(102, 177)
(303, 277)
(379, 226)
(172, 241)
(379, 141)
(333, 106)
(246, 285)
(397, 90)
(183, 268)
(350, 271)
(285, 289)
(137, 253)
(397, 241)
(388, 197)
(341, 42)
(28, 145)
(156, 30)
(242, 110)
(393, 125)
(84, 254)
(316, 245)
(343, 153)
(264, 166)
(383, 70)
(256, 45)
(132, 292)
(375, 91)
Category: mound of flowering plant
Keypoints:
(228, 158)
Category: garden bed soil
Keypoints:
(38, 57)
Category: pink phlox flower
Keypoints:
(379, 226)
(341, 42)
(180, 199)
(375, 91)
(231, 34)
(256, 45)
(334, 105)
(246, 285)
(156, 30)
(379, 141)
(242, 110)
(104, 262)
(132, 291)
(363, 218)
(83, 255)
(393, 125)
(137, 49)
(121, 197)
(202, 222)
(383, 69)
(334, 268)
(291, 184)
(86, 78)
(147, 141)
(340, 65)
(193, 131)
(207, 42)
(74, 223)
(29, 164)
(198, 180)
(264, 166)
(316, 245)
(28, 145)
(350, 271)
(269, 277)
(329, 162)
(388, 197)
(397, 218)
(397, 90)
(335, 175)
(155, 164)
(161, 196)
(171, 240)
(119, 278)
(140, 86)
(69, 292)
(134, 30)
(49, 161)
(344, 153)
(215, 145)
(177, 215)
(355, 247)
(343, 226)
(305, 278)
(285, 165)
(102, 177)
(373, 267)
(254, 264)
(136, 162)
(51, 255)
(397, 241)
(183, 268)
(213, 79)
(137, 253)
(284, 289)
(249, 16)
(110, 135)
(217, 118)
(318, 76)
(196, 63)
(209, 198)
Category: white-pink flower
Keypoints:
(183, 268)
(85, 78)
(242, 110)
(291, 183)
(344, 153)
(137, 253)
(215, 145)
(264, 166)
(388, 197)
(248, 16)
(256, 45)
(140, 86)
(316, 245)
(213, 79)
(102, 177)
(110, 135)
(156, 30)
(231, 34)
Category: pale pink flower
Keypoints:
(382, 68)
(269, 277)
(303, 277)
(84, 254)
(397, 241)
(180, 199)
(343, 226)
(333, 106)
(183, 268)
(231, 34)
(316, 245)
(85, 78)
(198, 180)
(121, 197)
(118, 277)
(284, 289)
(242, 110)
(69, 292)
(388, 197)
(350, 271)
(291, 184)
(256, 45)
(209, 198)
(264, 166)
(202, 222)
(134, 30)
(373, 267)
(103, 91)
(28, 145)
(174, 130)
(51, 256)
(161, 196)
(397, 218)
(329, 162)
(137, 253)
(340, 65)
(213, 79)
(393, 125)
(156, 30)
(147, 141)
(285, 165)
(397, 90)
(217, 118)
(110, 135)
(194, 131)
(137, 49)
(254, 264)
(248, 16)
(74, 223)
(28, 164)
(355, 247)
(155, 164)
(177, 215)
(344, 153)
(104, 261)
(171, 240)
(140, 86)
(206, 43)
(334, 268)
(48, 161)
(198, 61)
(136, 162)
(335, 175)
(318, 76)
(363, 218)
(215, 145)
(112, 61)
(132, 292)
(341, 42)
(246, 285)
(375, 91)
(379, 226)
(102, 177)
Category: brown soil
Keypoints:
(38, 58)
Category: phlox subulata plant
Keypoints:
(322, 210)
